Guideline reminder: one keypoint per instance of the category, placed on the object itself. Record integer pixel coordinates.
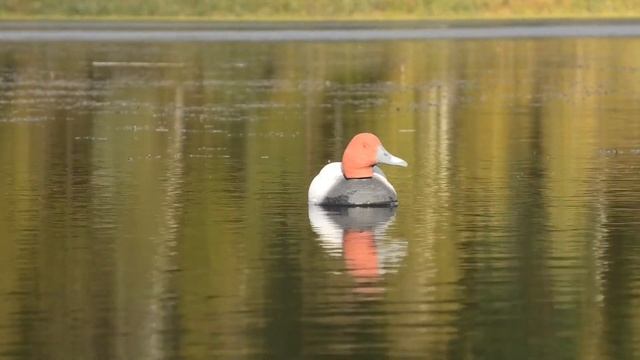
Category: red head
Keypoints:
(363, 152)
(360, 156)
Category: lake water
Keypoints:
(153, 199)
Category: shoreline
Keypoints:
(305, 19)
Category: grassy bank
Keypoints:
(315, 9)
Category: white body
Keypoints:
(331, 177)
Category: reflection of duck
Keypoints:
(357, 233)
(356, 181)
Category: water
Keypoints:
(154, 200)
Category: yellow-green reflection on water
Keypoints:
(154, 200)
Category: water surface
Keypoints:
(154, 200)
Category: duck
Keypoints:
(357, 180)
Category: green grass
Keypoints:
(316, 9)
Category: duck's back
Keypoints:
(330, 188)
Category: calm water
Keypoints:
(153, 200)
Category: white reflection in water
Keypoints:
(359, 236)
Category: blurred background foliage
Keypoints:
(319, 9)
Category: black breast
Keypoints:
(361, 192)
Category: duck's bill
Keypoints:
(384, 157)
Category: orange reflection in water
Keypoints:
(361, 255)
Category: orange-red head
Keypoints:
(363, 152)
